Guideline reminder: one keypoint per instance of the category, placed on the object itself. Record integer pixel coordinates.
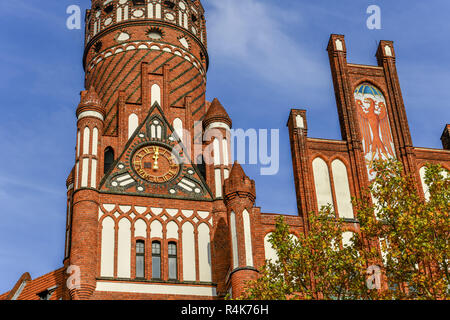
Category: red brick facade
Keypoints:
(146, 73)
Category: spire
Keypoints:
(216, 113)
(90, 101)
(238, 184)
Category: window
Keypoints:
(98, 46)
(173, 261)
(169, 4)
(109, 159)
(47, 294)
(140, 259)
(108, 9)
(156, 260)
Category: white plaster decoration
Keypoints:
(155, 94)
(342, 190)
(270, 252)
(93, 114)
(84, 173)
(172, 212)
(125, 209)
(107, 248)
(86, 140)
(204, 254)
(124, 249)
(234, 240)
(186, 290)
(156, 211)
(203, 214)
(94, 174)
(187, 213)
(248, 238)
(188, 241)
(109, 207)
(156, 229)
(172, 230)
(140, 229)
(140, 210)
(322, 183)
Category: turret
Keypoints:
(217, 125)
(83, 247)
(240, 195)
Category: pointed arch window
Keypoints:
(108, 159)
(140, 259)
(173, 268)
(156, 260)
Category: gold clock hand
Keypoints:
(156, 157)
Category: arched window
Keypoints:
(156, 260)
(201, 166)
(173, 270)
(109, 159)
(140, 259)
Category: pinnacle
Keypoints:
(217, 113)
(90, 101)
(237, 173)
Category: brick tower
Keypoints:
(155, 208)
(140, 210)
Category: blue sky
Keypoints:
(266, 57)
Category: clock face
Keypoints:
(155, 164)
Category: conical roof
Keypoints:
(240, 183)
(216, 113)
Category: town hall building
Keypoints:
(155, 207)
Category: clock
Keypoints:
(155, 164)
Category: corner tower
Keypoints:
(140, 212)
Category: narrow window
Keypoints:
(173, 270)
(109, 159)
(156, 260)
(140, 259)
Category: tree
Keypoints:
(413, 254)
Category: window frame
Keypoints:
(173, 256)
(140, 254)
(157, 255)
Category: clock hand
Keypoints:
(156, 157)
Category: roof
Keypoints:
(28, 289)
(216, 113)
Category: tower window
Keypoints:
(108, 9)
(169, 4)
(98, 46)
(138, 2)
(154, 33)
(173, 261)
(194, 18)
(108, 160)
(46, 294)
(140, 259)
(156, 260)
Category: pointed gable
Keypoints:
(154, 164)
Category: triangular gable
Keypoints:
(155, 132)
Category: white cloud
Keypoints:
(253, 34)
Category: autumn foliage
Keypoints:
(401, 251)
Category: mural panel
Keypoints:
(374, 125)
